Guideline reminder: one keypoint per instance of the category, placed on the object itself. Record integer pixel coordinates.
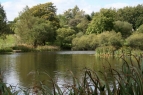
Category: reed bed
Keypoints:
(110, 51)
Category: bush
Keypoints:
(23, 48)
(135, 41)
(92, 41)
(47, 48)
(124, 28)
(3, 50)
(85, 42)
(140, 29)
(110, 39)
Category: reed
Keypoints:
(110, 51)
(105, 51)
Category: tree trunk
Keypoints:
(35, 43)
(44, 42)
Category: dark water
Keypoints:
(22, 69)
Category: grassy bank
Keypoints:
(10, 44)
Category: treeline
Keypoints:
(74, 29)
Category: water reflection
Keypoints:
(22, 68)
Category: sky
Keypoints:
(13, 7)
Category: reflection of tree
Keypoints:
(30, 64)
(74, 63)
(8, 69)
(77, 62)
(57, 66)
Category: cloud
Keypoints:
(13, 7)
(63, 5)
(116, 5)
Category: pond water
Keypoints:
(22, 69)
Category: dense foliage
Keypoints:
(123, 27)
(36, 29)
(4, 26)
(92, 41)
(65, 36)
(40, 25)
(102, 21)
(135, 41)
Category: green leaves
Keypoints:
(92, 41)
(140, 29)
(4, 27)
(37, 25)
(123, 27)
(135, 40)
(133, 15)
(102, 21)
(46, 11)
(65, 35)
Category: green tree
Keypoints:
(65, 36)
(33, 30)
(63, 20)
(75, 19)
(123, 27)
(133, 15)
(46, 11)
(82, 26)
(4, 27)
(102, 21)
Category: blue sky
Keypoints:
(13, 7)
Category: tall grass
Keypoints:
(107, 51)
(10, 41)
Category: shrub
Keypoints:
(140, 29)
(124, 28)
(110, 39)
(92, 41)
(85, 42)
(3, 50)
(47, 48)
(23, 48)
(135, 41)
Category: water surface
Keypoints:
(22, 68)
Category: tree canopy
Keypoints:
(33, 30)
(46, 11)
(4, 27)
(75, 19)
(74, 28)
(133, 15)
(102, 21)
(65, 36)
(123, 27)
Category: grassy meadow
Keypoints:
(10, 41)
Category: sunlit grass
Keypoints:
(10, 41)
